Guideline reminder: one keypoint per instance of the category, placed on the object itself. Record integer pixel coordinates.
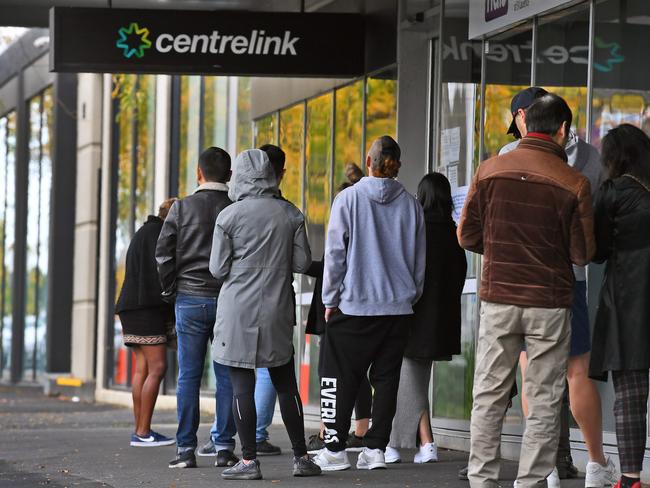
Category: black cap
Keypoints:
(523, 99)
(385, 146)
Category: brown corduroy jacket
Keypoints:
(530, 214)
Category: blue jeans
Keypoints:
(195, 317)
(265, 396)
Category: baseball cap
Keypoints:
(523, 99)
(385, 146)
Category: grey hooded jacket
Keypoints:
(258, 242)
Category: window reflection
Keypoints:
(266, 130)
(381, 107)
(292, 127)
(349, 127)
(189, 138)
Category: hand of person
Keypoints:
(329, 312)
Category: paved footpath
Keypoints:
(56, 443)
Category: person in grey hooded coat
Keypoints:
(258, 242)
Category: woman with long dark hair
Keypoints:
(435, 333)
(621, 341)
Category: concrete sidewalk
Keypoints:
(56, 443)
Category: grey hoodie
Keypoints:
(585, 158)
(375, 251)
(258, 242)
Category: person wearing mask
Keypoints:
(258, 242)
(374, 273)
(621, 335)
(530, 215)
(146, 322)
(582, 394)
(435, 329)
(183, 255)
(316, 326)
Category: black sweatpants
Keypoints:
(355, 344)
(243, 406)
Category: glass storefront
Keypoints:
(7, 235)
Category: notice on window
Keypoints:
(458, 196)
(452, 175)
(450, 146)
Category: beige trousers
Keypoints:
(502, 331)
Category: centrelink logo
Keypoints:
(134, 40)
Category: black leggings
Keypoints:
(243, 406)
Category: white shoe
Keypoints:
(332, 461)
(428, 453)
(553, 479)
(371, 459)
(599, 476)
(391, 456)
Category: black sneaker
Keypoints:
(304, 466)
(265, 448)
(566, 469)
(185, 459)
(462, 474)
(355, 444)
(242, 471)
(208, 449)
(315, 444)
(225, 459)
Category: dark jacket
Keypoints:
(141, 287)
(622, 330)
(316, 315)
(435, 333)
(530, 215)
(185, 242)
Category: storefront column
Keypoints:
(163, 139)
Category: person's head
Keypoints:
(163, 210)
(214, 166)
(353, 173)
(277, 158)
(434, 193)
(626, 149)
(383, 159)
(520, 102)
(550, 115)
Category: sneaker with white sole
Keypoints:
(332, 461)
(154, 439)
(599, 476)
(392, 456)
(371, 459)
(428, 453)
(553, 479)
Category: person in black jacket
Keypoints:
(145, 320)
(435, 331)
(621, 342)
(183, 256)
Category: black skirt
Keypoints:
(147, 326)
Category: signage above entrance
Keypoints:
(489, 16)
(206, 42)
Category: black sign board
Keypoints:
(206, 42)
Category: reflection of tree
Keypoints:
(291, 141)
(265, 130)
(349, 113)
(381, 109)
(244, 128)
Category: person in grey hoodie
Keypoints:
(374, 273)
(258, 242)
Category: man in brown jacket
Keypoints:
(530, 215)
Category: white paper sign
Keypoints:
(449, 145)
(458, 196)
(452, 175)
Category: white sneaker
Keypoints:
(371, 459)
(332, 461)
(391, 456)
(428, 453)
(599, 476)
(553, 479)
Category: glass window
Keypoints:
(7, 234)
(349, 127)
(38, 218)
(135, 128)
(189, 137)
(266, 130)
(244, 125)
(215, 112)
(292, 130)
(381, 107)
(318, 161)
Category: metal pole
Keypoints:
(533, 53)
(590, 68)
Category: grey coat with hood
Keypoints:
(258, 242)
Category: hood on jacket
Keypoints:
(252, 176)
(381, 190)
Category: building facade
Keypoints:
(439, 77)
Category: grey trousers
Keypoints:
(502, 331)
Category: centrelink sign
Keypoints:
(206, 42)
